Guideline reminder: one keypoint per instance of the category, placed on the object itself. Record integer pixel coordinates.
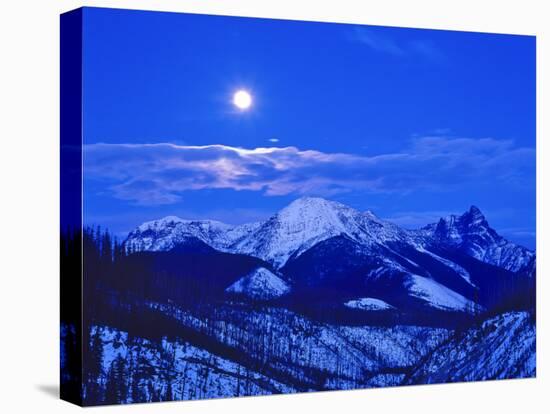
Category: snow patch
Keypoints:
(368, 304)
(439, 296)
(458, 269)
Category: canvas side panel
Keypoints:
(71, 207)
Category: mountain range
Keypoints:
(321, 257)
(320, 296)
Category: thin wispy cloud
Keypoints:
(377, 42)
(427, 49)
(520, 231)
(417, 219)
(161, 173)
(383, 43)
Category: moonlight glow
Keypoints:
(242, 99)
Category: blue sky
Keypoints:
(412, 124)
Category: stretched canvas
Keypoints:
(259, 206)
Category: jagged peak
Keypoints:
(170, 219)
(475, 210)
(175, 220)
(160, 222)
(475, 213)
(473, 216)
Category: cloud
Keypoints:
(520, 232)
(160, 173)
(427, 49)
(377, 42)
(274, 140)
(383, 43)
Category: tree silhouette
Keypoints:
(116, 391)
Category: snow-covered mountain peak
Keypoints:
(455, 228)
(163, 222)
(472, 234)
(175, 221)
(370, 214)
(308, 221)
(475, 213)
(474, 218)
(260, 284)
(308, 213)
(168, 232)
(315, 206)
(288, 233)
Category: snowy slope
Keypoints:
(251, 352)
(297, 354)
(456, 267)
(300, 347)
(260, 284)
(308, 221)
(439, 296)
(174, 370)
(501, 347)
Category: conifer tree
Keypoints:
(116, 391)
(93, 366)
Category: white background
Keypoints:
(29, 192)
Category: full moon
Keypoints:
(242, 99)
